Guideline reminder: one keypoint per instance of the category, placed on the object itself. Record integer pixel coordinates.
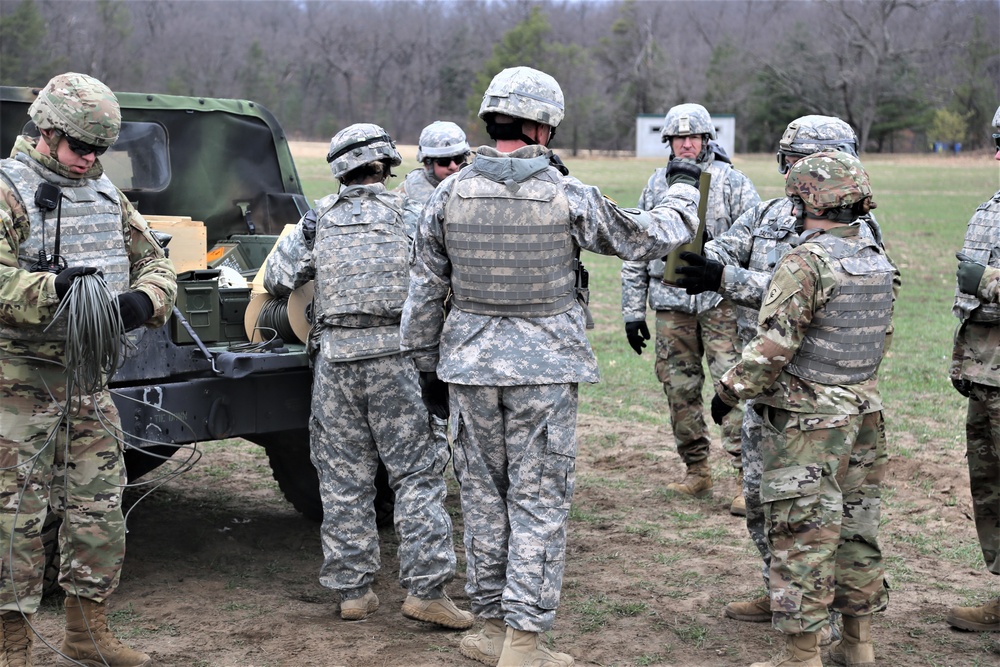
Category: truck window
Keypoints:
(139, 159)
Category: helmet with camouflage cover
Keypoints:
(810, 134)
(685, 120)
(830, 181)
(442, 139)
(79, 106)
(524, 92)
(359, 144)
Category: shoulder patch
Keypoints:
(772, 295)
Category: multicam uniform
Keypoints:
(688, 326)
(976, 359)
(513, 357)
(77, 470)
(366, 399)
(812, 370)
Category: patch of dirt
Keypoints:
(221, 572)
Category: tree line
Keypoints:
(903, 73)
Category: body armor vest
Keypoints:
(90, 231)
(846, 339)
(982, 244)
(510, 247)
(360, 255)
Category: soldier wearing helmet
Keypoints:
(973, 372)
(812, 369)
(502, 237)
(688, 326)
(366, 400)
(61, 218)
(442, 150)
(738, 265)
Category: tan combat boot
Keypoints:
(976, 619)
(440, 611)
(855, 649)
(360, 608)
(739, 505)
(89, 642)
(15, 639)
(757, 610)
(485, 646)
(697, 482)
(800, 651)
(521, 649)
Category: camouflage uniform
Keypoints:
(366, 398)
(513, 374)
(71, 463)
(976, 360)
(689, 326)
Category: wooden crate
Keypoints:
(189, 245)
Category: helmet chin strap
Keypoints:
(512, 131)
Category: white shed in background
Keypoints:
(647, 134)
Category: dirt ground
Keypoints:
(221, 572)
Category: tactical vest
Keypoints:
(510, 246)
(360, 255)
(982, 244)
(846, 338)
(91, 231)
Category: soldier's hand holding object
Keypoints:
(719, 409)
(969, 275)
(434, 393)
(700, 275)
(683, 170)
(66, 277)
(135, 309)
(964, 387)
(637, 334)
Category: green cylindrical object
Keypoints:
(673, 260)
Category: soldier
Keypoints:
(738, 265)
(688, 326)
(503, 236)
(812, 368)
(975, 361)
(442, 150)
(69, 460)
(366, 400)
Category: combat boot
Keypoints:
(485, 646)
(976, 619)
(89, 642)
(757, 610)
(739, 505)
(855, 648)
(15, 639)
(360, 608)
(799, 651)
(440, 611)
(697, 482)
(521, 649)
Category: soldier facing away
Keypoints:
(974, 372)
(689, 326)
(366, 402)
(503, 236)
(68, 461)
(812, 368)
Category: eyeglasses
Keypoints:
(996, 139)
(445, 162)
(81, 148)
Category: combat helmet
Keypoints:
(810, 134)
(442, 139)
(832, 185)
(685, 120)
(523, 92)
(359, 144)
(79, 106)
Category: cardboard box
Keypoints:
(188, 245)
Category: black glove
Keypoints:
(969, 275)
(701, 274)
(67, 276)
(683, 170)
(964, 387)
(136, 308)
(434, 393)
(637, 334)
(719, 409)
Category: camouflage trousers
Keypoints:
(821, 490)
(681, 341)
(753, 467)
(59, 460)
(982, 431)
(515, 459)
(364, 410)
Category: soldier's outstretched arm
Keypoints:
(740, 284)
(291, 264)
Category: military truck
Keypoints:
(225, 163)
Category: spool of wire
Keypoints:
(274, 315)
(94, 333)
